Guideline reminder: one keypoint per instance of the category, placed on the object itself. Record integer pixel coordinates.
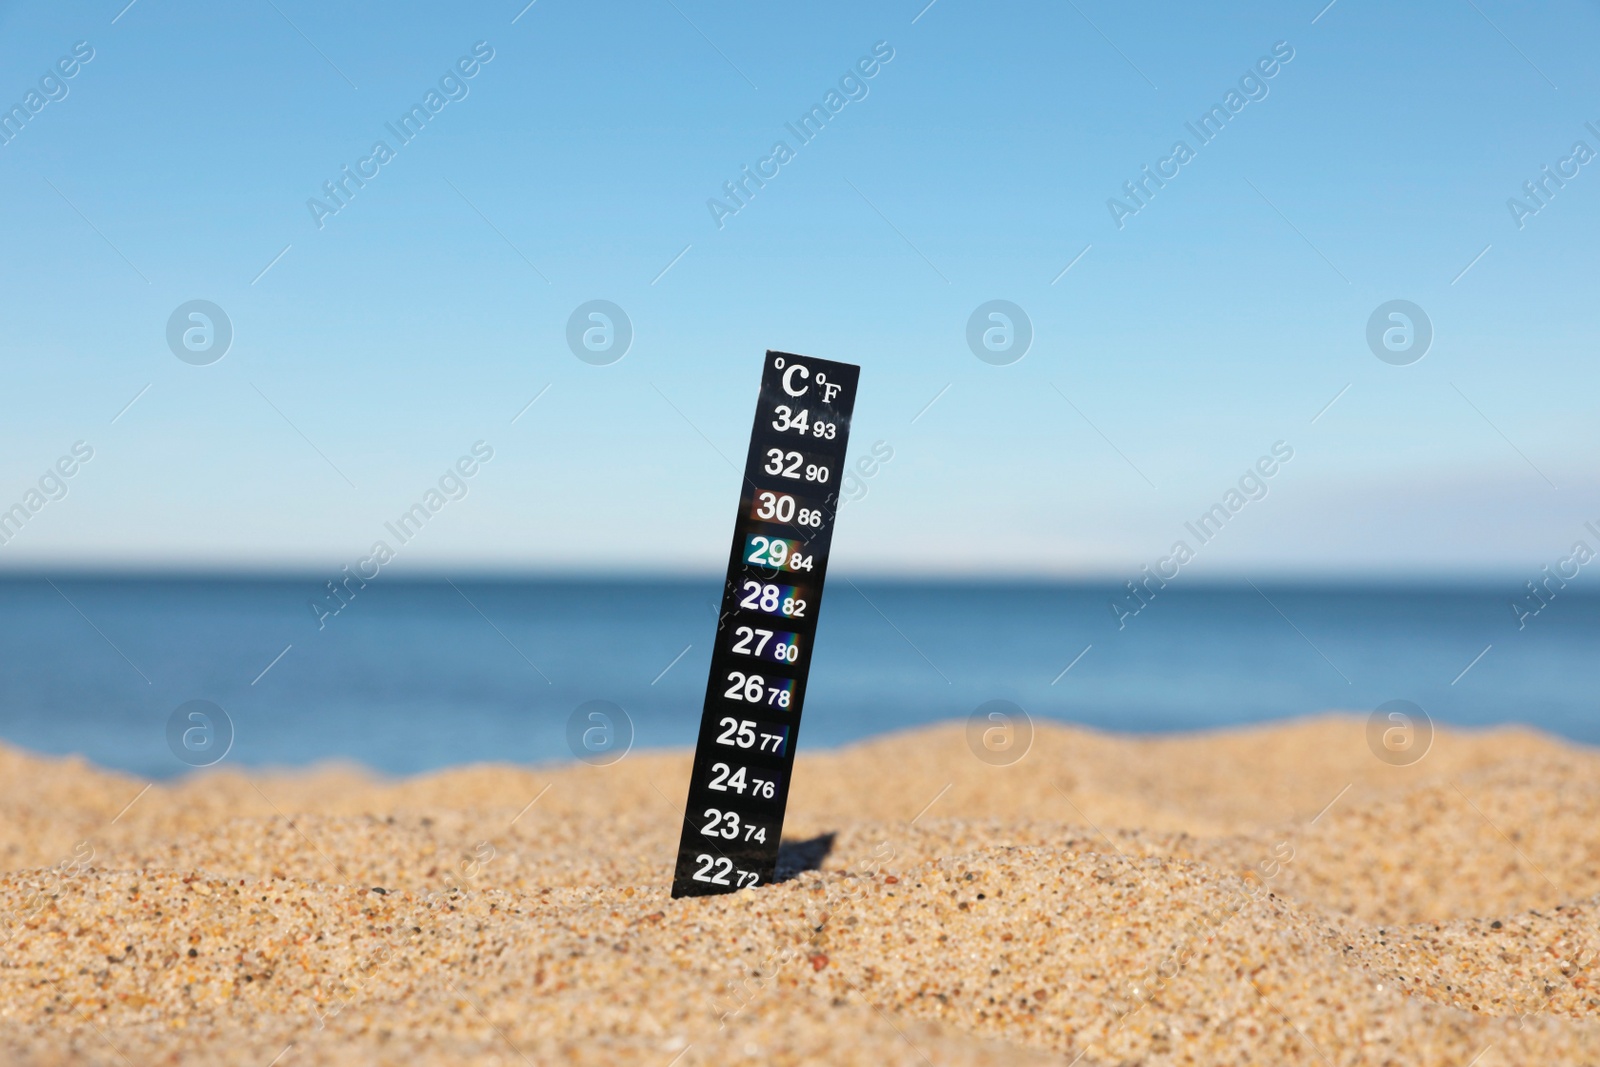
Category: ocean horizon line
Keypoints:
(1351, 583)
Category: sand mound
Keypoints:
(1271, 895)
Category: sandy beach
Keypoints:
(1266, 895)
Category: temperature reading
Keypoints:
(719, 870)
(780, 507)
(726, 824)
(751, 688)
(787, 420)
(776, 645)
(726, 779)
(778, 552)
(748, 634)
(738, 732)
(760, 657)
(796, 465)
(742, 733)
(755, 689)
(782, 600)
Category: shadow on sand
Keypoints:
(797, 856)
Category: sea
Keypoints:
(414, 675)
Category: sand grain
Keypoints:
(1176, 900)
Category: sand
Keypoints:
(1270, 895)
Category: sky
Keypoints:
(1179, 336)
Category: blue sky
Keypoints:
(1219, 319)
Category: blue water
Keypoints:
(413, 675)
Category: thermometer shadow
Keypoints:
(796, 857)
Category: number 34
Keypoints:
(801, 423)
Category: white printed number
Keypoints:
(752, 641)
(778, 553)
(770, 599)
(746, 635)
(753, 688)
(801, 422)
(724, 780)
(790, 464)
(781, 507)
(776, 506)
(768, 551)
(717, 870)
(725, 824)
(741, 733)
(750, 689)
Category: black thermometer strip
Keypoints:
(762, 654)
